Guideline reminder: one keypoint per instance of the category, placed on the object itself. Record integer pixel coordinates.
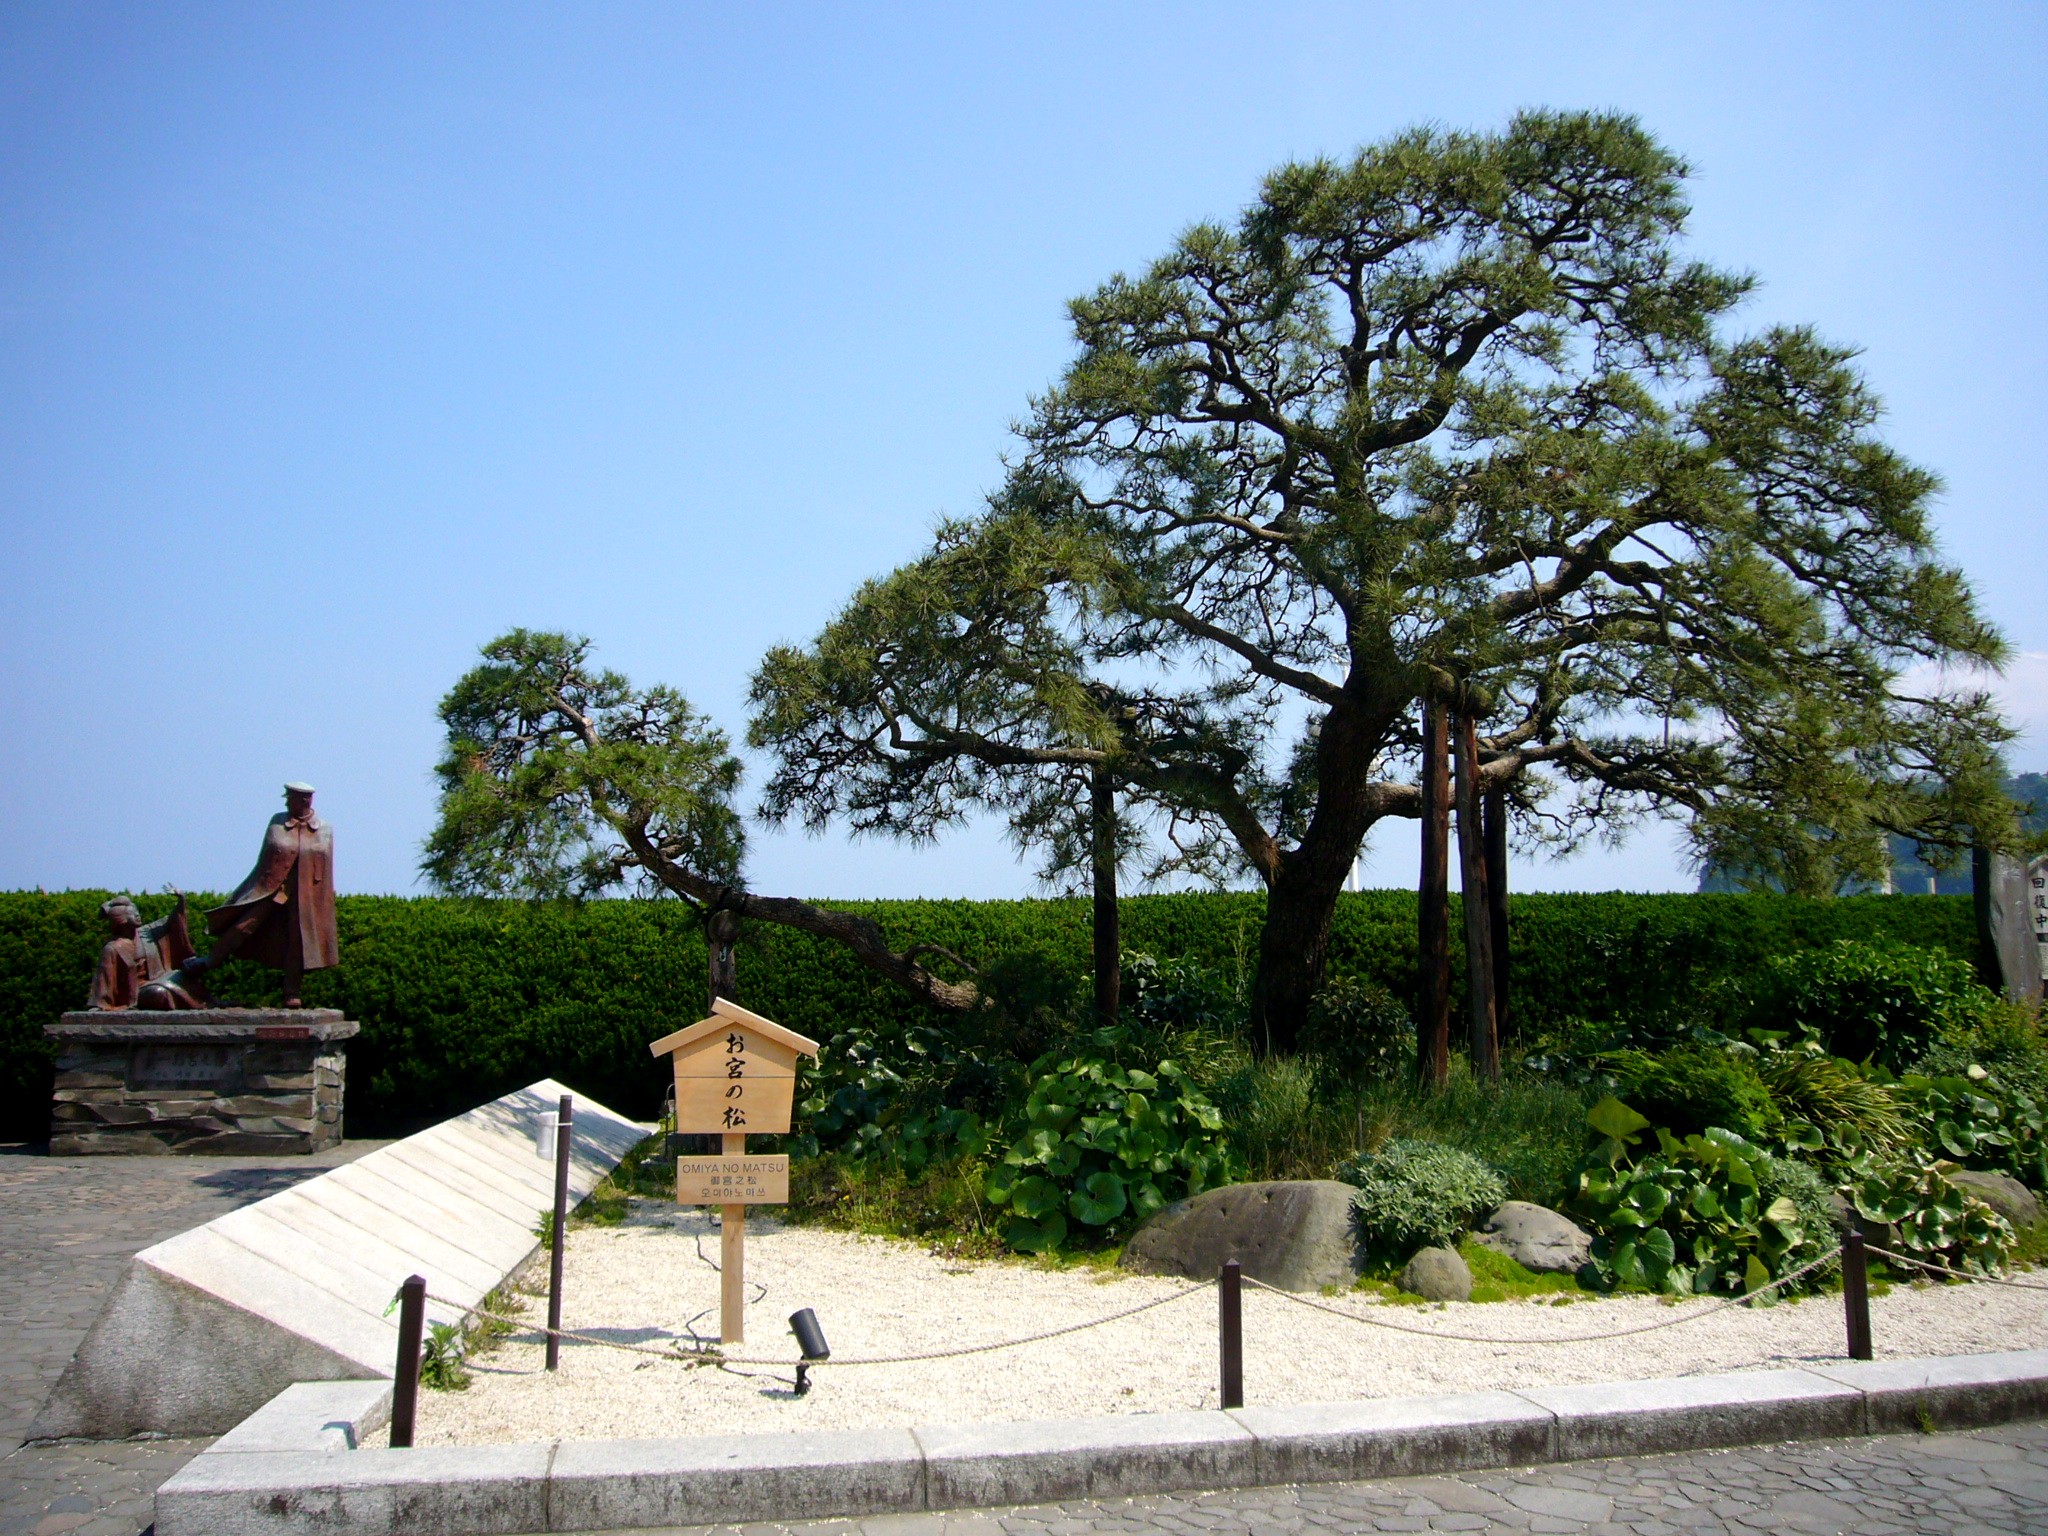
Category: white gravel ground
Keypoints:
(645, 1281)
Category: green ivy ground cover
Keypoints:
(463, 1000)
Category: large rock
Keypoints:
(1537, 1238)
(207, 1327)
(1437, 1274)
(1292, 1233)
(2004, 1194)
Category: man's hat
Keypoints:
(298, 789)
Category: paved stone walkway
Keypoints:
(67, 1224)
(1990, 1481)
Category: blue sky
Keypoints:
(336, 340)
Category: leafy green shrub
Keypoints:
(1697, 1214)
(1830, 1106)
(943, 1207)
(1692, 1087)
(1811, 1196)
(1178, 996)
(2002, 1058)
(441, 1357)
(914, 1099)
(1871, 1001)
(1105, 1146)
(1932, 1217)
(2005, 1040)
(1358, 1033)
(1981, 1122)
(1419, 1194)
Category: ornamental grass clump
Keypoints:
(1831, 1108)
(1419, 1194)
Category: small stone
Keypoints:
(1437, 1274)
(1537, 1238)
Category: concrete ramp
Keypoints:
(208, 1326)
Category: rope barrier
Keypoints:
(1577, 1338)
(709, 1354)
(712, 1356)
(1952, 1274)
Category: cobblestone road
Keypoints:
(66, 1226)
(1991, 1481)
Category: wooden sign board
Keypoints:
(735, 1077)
(732, 1180)
(735, 1072)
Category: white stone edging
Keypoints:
(301, 1463)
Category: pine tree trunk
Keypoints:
(1485, 1040)
(721, 932)
(1496, 819)
(1102, 852)
(1433, 906)
(1294, 951)
(1301, 893)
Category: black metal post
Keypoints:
(1230, 1332)
(1856, 1291)
(560, 1230)
(405, 1379)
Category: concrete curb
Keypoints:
(301, 1463)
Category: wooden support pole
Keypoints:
(1102, 852)
(1496, 825)
(560, 1228)
(1485, 1036)
(1856, 1291)
(1433, 910)
(1230, 1332)
(405, 1377)
(732, 1257)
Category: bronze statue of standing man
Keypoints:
(282, 916)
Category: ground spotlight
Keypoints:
(810, 1340)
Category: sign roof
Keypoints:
(725, 1014)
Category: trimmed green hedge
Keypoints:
(463, 1000)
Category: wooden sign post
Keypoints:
(735, 1076)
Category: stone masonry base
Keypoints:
(239, 1081)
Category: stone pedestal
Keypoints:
(242, 1081)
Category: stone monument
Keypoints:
(2037, 898)
(2011, 954)
(152, 1064)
